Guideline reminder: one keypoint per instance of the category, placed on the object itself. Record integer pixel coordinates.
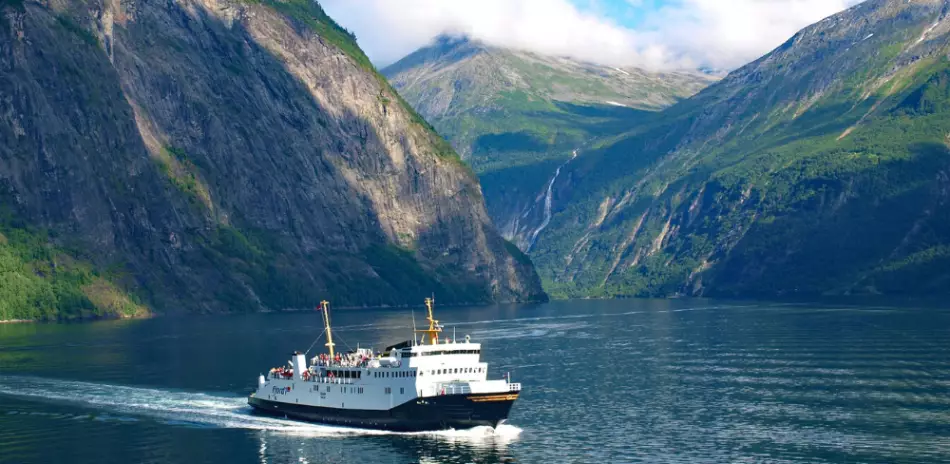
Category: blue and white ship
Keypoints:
(431, 384)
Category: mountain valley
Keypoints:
(516, 116)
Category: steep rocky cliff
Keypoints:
(820, 168)
(203, 155)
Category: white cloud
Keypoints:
(729, 33)
(687, 33)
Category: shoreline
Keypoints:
(855, 301)
(76, 320)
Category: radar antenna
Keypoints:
(434, 327)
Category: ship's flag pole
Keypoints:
(415, 336)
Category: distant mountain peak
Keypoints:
(446, 47)
(446, 40)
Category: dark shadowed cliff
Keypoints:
(202, 155)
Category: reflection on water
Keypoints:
(616, 381)
(480, 445)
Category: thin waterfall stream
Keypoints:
(547, 203)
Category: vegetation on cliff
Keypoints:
(39, 281)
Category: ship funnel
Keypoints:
(300, 365)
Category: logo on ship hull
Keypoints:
(281, 390)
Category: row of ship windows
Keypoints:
(458, 370)
(395, 374)
(404, 374)
(408, 354)
(359, 390)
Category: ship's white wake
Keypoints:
(195, 409)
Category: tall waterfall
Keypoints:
(547, 204)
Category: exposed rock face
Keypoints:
(819, 168)
(228, 156)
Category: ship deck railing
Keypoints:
(315, 379)
(344, 365)
(454, 389)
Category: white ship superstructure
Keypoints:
(435, 383)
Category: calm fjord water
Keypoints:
(605, 381)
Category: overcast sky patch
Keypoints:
(668, 34)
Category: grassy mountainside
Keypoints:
(223, 156)
(42, 282)
(516, 116)
(822, 168)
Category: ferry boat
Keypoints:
(433, 383)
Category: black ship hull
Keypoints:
(423, 414)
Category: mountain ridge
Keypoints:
(447, 53)
(740, 190)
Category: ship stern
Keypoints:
(459, 411)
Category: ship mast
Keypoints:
(434, 327)
(325, 305)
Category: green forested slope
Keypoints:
(822, 168)
(43, 282)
